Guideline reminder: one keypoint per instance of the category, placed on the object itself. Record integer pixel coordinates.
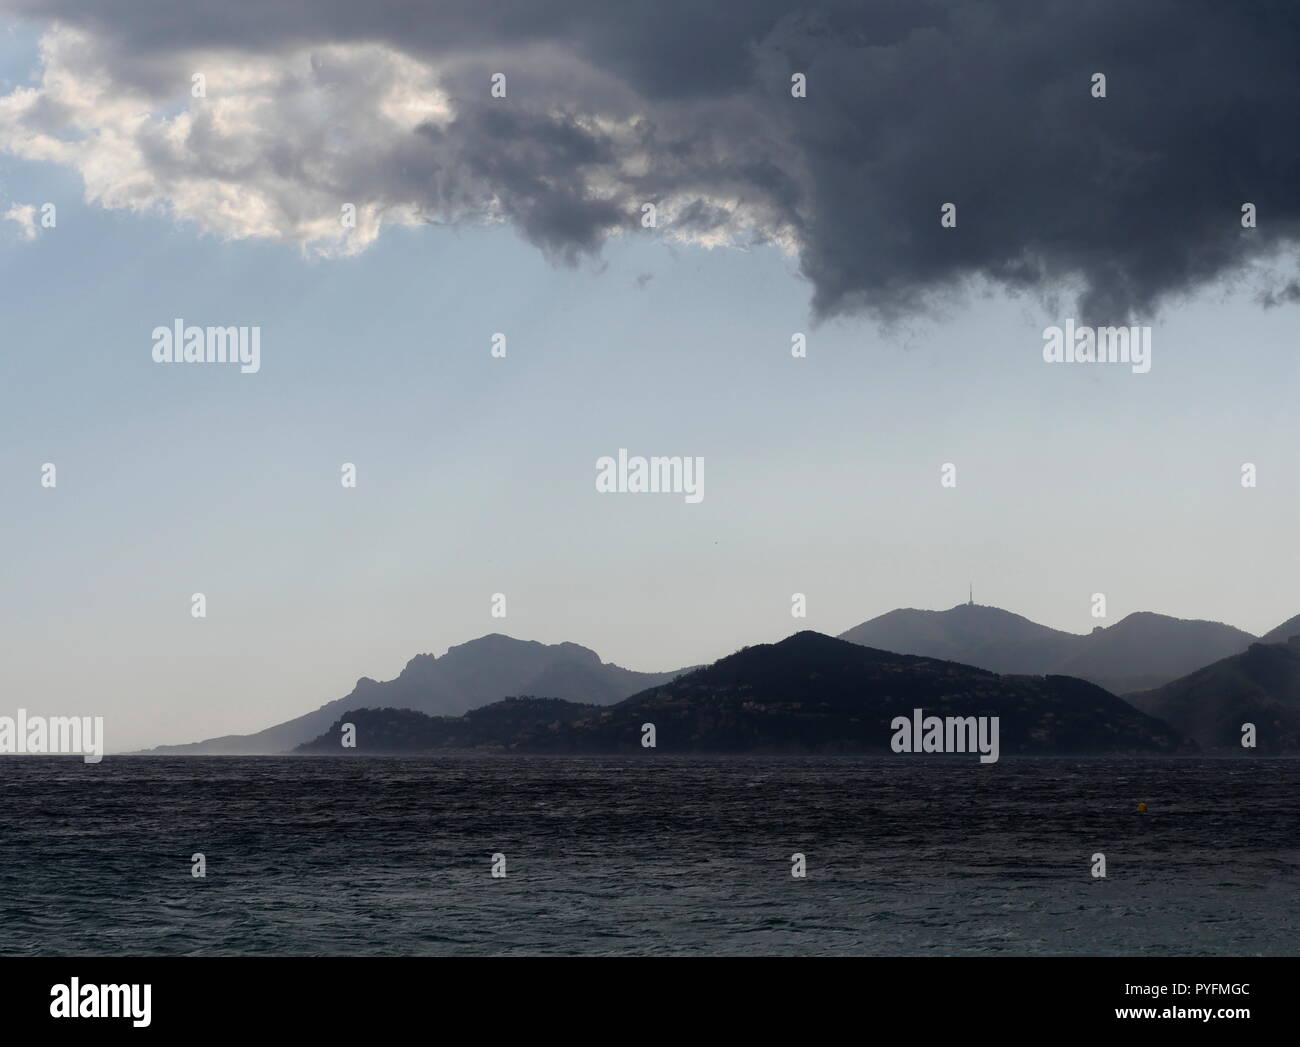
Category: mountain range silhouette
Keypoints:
(1139, 652)
(809, 693)
(1143, 655)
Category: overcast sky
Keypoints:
(775, 215)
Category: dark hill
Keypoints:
(1260, 686)
(499, 726)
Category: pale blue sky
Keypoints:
(476, 475)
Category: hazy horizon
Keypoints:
(438, 653)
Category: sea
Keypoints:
(648, 855)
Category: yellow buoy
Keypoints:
(1142, 808)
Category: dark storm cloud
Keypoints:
(1129, 200)
(534, 164)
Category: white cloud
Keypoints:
(25, 216)
(281, 142)
(278, 145)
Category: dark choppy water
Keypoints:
(648, 855)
